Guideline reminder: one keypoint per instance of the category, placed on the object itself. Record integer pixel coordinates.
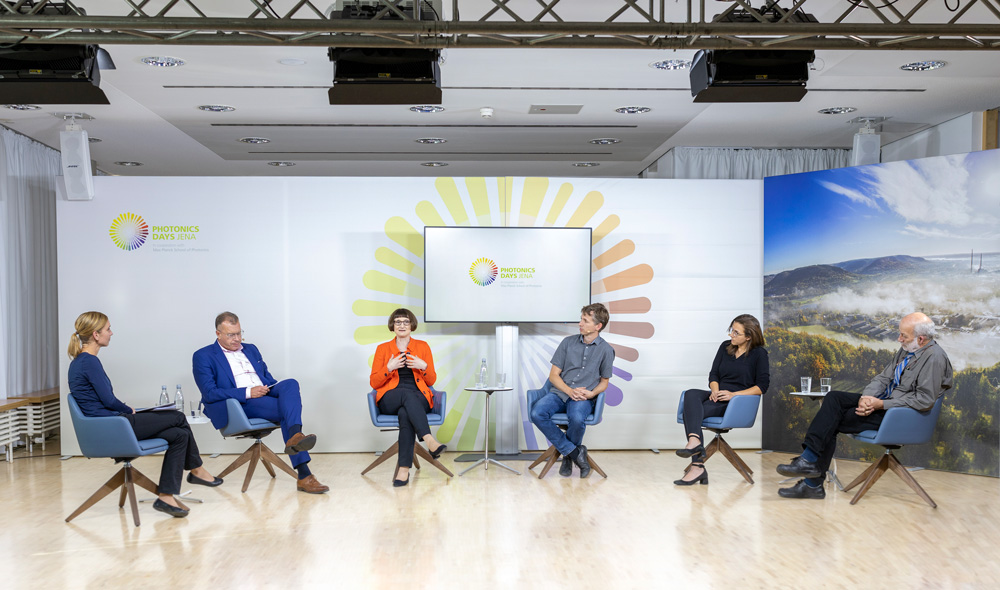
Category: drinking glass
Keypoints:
(807, 383)
(825, 384)
(501, 379)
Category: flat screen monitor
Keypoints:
(506, 274)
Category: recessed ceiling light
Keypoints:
(434, 164)
(216, 108)
(255, 140)
(431, 140)
(837, 110)
(22, 107)
(586, 164)
(94, 139)
(923, 66)
(162, 61)
(605, 141)
(632, 110)
(129, 163)
(427, 108)
(281, 164)
(671, 64)
(290, 61)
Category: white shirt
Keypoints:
(243, 371)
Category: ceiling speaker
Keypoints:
(867, 149)
(77, 177)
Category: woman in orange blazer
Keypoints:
(402, 375)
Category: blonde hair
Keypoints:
(85, 325)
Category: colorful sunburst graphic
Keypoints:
(129, 231)
(398, 277)
(483, 272)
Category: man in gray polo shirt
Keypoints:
(581, 369)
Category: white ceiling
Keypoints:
(161, 127)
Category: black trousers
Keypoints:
(182, 450)
(837, 414)
(411, 406)
(697, 407)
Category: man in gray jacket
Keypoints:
(918, 374)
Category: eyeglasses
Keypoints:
(231, 335)
(733, 332)
(401, 322)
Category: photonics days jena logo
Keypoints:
(129, 231)
(483, 272)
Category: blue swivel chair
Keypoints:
(240, 426)
(740, 413)
(551, 454)
(900, 426)
(387, 422)
(112, 436)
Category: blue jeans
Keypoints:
(576, 411)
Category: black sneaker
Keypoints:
(803, 490)
(582, 463)
(566, 469)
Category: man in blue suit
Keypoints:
(230, 368)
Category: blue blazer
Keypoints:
(215, 380)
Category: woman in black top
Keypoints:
(740, 368)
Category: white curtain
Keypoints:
(28, 299)
(751, 163)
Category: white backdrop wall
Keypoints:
(313, 266)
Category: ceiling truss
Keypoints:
(628, 24)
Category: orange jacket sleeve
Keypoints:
(381, 375)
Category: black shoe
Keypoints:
(437, 454)
(165, 508)
(702, 479)
(698, 450)
(803, 490)
(204, 482)
(582, 463)
(398, 483)
(799, 467)
(566, 469)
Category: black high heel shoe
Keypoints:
(440, 450)
(702, 479)
(698, 450)
(398, 483)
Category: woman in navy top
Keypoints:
(740, 368)
(91, 388)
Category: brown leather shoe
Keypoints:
(311, 485)
(300, 442)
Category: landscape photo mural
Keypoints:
(847, 253)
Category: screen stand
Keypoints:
(507, 406)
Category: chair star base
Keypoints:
(720, 445)
(418, 451)
(888, 461)
(551, 455)
(258, 451)
(125, 480)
